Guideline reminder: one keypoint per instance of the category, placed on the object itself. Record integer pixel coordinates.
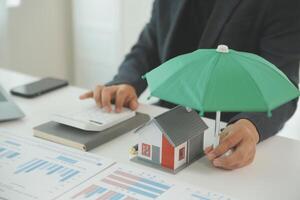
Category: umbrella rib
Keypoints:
(276, 70)
(242, 67)
(179, 71)
(208, 82)
(166, 80)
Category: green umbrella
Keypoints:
(211, 80)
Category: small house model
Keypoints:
(173, 139)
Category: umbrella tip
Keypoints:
(269, 114)
(201, 113)
(223, 48)
(188, 109)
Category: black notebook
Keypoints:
(86, 140)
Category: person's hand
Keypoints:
(241, 137)
(122, 95)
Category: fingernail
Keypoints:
(210, 156)
(135, 105)
(217, 162)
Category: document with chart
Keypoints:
(35, 169)
(123, 182)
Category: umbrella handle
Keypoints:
(217, 129)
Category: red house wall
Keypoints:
(167, 159)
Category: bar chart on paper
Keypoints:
(26, 164)
(61, 172)
(121, 182)
(8, 154)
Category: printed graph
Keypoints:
(101, 193)
(7, 153)
(49, 168)
(122, 182)
(136, 184)
(9, 150)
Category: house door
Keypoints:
(156, 154)
(167, 158)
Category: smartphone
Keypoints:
(38, 88)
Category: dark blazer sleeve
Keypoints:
(142, 58)
(279, 44)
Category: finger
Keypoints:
(98, 94)
(120, 99)
(107, 94)
(224, 133)
(133, 104)
(229, 142)
(239, 158)
(208, 149)
(87, 95)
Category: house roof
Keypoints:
(179, 125)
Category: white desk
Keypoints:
(275, 173)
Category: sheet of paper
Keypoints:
(123, 182)
(34, 169)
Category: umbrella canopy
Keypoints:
(211, 80)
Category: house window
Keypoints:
(146, 149)
(181, 153)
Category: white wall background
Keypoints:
(3, 34)
(39, 38)
(81, 40)
(104, 32)
(97, 40)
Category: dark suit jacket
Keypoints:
(269, 28)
